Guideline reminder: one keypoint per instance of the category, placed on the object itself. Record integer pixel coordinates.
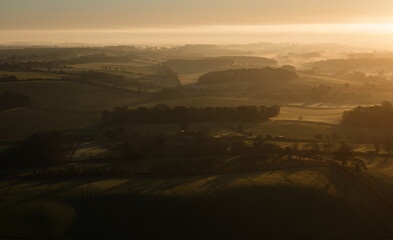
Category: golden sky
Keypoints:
(196, 21)
(98, 14)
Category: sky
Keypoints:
(150, 21)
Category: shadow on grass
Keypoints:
(266, 212)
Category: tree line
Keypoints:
(378, 116)
(193, 152)
(41, 149)
(8, 78)
(183, 115)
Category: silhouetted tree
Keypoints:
(343, 154)
(359, 165)
(378, 116)
(184, 115)
(388, 146)
(42, 149)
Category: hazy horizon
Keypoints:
(376, 36)
(101, 14)
(152, 22)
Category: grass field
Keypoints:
(33, 75)
(59, 106)
(189, 78)
(326, 115)
(133, 69)
(145, 71)
(307, 203)
(72, 96)
(19, 123)
(318, 79)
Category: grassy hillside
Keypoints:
(72, 96)
(19, 123)
(311, 204)
(146, 71)
(130, 69)
(59, 106)
(32, 75)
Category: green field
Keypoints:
(308, 204)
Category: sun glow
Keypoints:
(375, 35)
